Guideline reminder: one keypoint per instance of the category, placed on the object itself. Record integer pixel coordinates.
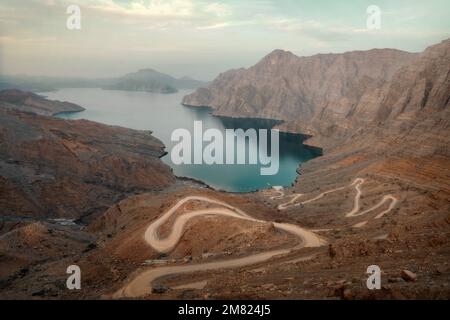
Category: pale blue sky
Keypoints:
(201, 38)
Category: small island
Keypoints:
(149, 80)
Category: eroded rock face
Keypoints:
(283, 85)
(409, 135)
(58, 168)
(423, 85)
(30, 102)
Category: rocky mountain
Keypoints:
(143, 80)
(420, 86)
(74, 169)
(283, 86)
(153, 81)
(380, 111)
(333, 95)
(30, 102)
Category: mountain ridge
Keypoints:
(31, 102)
(324, 94)
(147, 79)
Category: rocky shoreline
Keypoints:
(14, 99)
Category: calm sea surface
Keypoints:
(162, 113)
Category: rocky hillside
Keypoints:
(57, 168)
(30, 102)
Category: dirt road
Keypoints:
(141, 284)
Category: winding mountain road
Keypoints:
(140, 285)
(356, 202)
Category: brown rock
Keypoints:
(347, 294)
(336, 96)
(408, 275)
(395, 280)
(158, 288)
(331, 251)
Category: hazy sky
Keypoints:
(201, 38)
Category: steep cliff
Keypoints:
(334, 96)
(283, 85)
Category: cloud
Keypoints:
(215, 26)
(316, 30)
(154, 14)
(31, 41)
(219, 9)
(168, 8)
(226, 24)
(148, 8)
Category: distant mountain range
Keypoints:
(44, 84)
(148, 80)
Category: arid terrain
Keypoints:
(79, 192)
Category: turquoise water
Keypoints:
(163, 113)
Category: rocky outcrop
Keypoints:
(57, 168)
(30, 102)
